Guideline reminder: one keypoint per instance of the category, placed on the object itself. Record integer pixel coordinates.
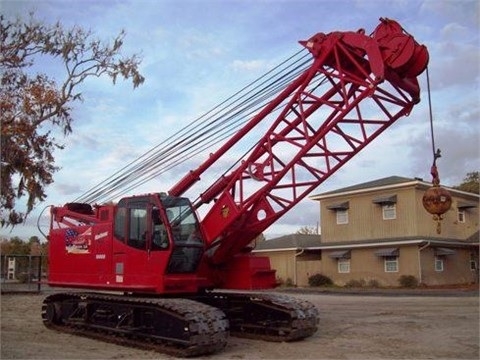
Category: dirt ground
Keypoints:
(360, 326)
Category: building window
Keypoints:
(391, 263)
(342, 217)
(389, 211)
(389, 206)
(461, 215)
(473, 262)
(438, 264)
(343, 266)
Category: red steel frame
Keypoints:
(346, 84)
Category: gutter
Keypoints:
(366, 245)
(420, 261)
(295, 266)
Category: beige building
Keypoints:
(378, 231)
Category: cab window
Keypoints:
(159, 232)
(120, 223)
(138, 226)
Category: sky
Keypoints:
(197, 53)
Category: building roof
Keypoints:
(290, 242)
(313, 242)
(388, 181)
(475, 238)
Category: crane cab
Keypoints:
(149, 244)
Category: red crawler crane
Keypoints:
(166, 261)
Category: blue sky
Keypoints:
(197, 53)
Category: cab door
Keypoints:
(130, 255)
(158, 246)
(139, 265)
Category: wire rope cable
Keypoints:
(210, 129)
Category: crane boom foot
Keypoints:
(270, 317)
(178, 327)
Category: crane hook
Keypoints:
(436, 200)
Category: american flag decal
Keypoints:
(70, 235)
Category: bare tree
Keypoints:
(32, 107)
(308, 230)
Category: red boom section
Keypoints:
(356, 87)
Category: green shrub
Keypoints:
(319, 280)
(356, 283)
(408, 281)
(373, 283)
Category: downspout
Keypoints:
(420, 261)
(295, 266)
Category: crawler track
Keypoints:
(178, 327)
(269, 317)
(182, 327)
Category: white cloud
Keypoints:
(454, 63)
(452, 31)
(249, 65)
(464, 11)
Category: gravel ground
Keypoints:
(353, 325)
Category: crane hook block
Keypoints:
(437, 200)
